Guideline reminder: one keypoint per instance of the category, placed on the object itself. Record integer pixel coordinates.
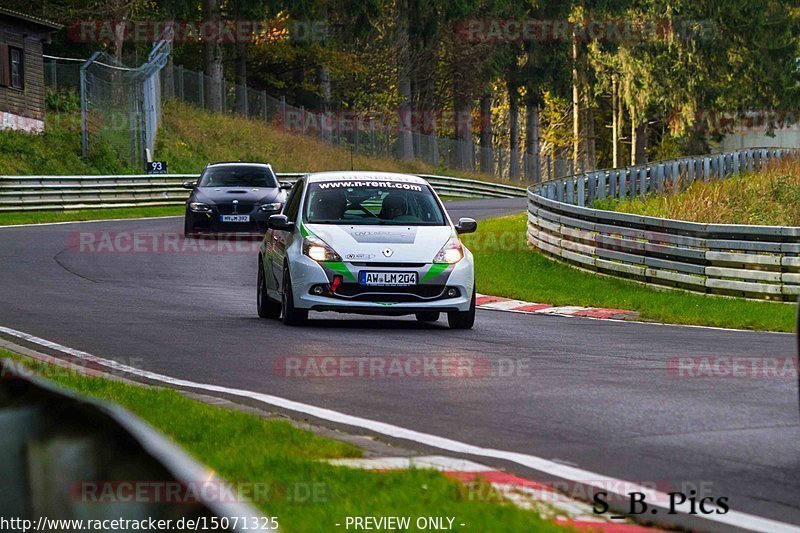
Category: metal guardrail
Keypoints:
(729, 259)
(59, 448)
(28, 193)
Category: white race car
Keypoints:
(366, 242)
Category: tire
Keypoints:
(266, 307)
(462, 319)
(427, 316)
(187, 231)
(291, 315)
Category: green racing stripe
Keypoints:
(340, 268)
(435, 270)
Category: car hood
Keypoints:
(387, 244)
(222, 195)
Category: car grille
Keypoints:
(244, 208)
(386, 265)
(416, 293)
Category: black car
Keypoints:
(233, 198)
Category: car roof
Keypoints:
(238, 163)
(363, 175)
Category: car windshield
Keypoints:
(238, 176)
(397, 203)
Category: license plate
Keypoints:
(235, 218)
(387, 279)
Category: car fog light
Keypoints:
(452, 292)
(318, 290)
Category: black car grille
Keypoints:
(244, 208)
(415, 293)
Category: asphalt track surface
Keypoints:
(589, 393)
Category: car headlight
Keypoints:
(451, 253)
(318, 250)
(199, 207)
(270, 207)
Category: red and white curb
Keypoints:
(524, 493)
(498, 303)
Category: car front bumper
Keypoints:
(430, 295)
(210, 222)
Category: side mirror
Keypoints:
(189, 184)
(279, 222)
(285, 185)
(466, 225)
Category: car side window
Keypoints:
(293, 202)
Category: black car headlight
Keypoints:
(270, 207)
(199, 207)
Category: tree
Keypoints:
(213, 55)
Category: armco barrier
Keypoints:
(59, 447)
(729, 259)
(19, 193)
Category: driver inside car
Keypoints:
(394, 205)
(329, 205)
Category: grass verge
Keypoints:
(770, 197)
(243, 448)
(40, 217)
(506, 266)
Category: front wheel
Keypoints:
(188, 229)
(266, 307)
(462, 319)
(291, 315)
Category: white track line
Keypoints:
(569, 473)
(84, 221)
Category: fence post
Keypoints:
(181, 94)
(54, 73)
(84, 105)
(581, 189)
(201, 79)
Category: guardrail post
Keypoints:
(622, 183)
(601, 184)
(644, 182)
(570, 181)
(613, 183)
(659, 181)
(582, 189)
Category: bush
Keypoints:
(62, 100)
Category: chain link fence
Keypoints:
(122, 105)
